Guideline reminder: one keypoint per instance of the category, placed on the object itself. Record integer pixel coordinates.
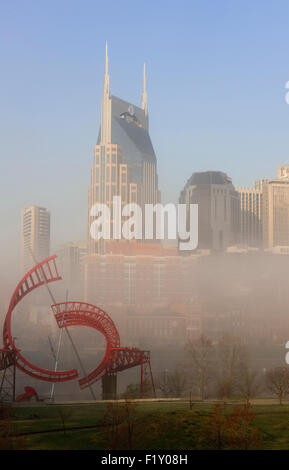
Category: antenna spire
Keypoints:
(106, 74)
(144, 103)
(106, 105)
(106, 59)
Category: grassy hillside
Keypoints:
(155, 425)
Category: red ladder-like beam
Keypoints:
(116, 358)
(44, 272)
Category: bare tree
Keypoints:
(230, 354)
(248, 380)
(120, 422)
(130, 419)
(172, 384)
(277, 381)
(236, 430)
(249, 384)
(214, 430)
(177, 381)
(113, 417)
(200, 352)
(162, 383)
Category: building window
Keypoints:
(113, 174)
(123, 193)
(97, 174)
(97, 192)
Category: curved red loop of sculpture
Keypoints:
(67, 314)
(43, 272)
(116, 358)
(84, 314)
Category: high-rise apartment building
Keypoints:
(276, 213)
(250, 216)
(275, 209)
(219, 208)
(35, 235)
(124, 159)
(265, 212)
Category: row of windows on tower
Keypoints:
(110, 158)
(111, 191)
(251, 196)
(111, 173)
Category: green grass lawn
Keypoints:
(158, 425)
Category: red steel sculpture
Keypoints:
(116, 358)
(29, 392)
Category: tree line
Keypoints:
(221, 370)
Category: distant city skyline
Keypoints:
(216, 76)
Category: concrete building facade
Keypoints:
(251, 231)
(219, 208)
(276, 213)
(35, 236)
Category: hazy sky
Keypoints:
(216, 73)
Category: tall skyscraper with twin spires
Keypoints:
(124, 159)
